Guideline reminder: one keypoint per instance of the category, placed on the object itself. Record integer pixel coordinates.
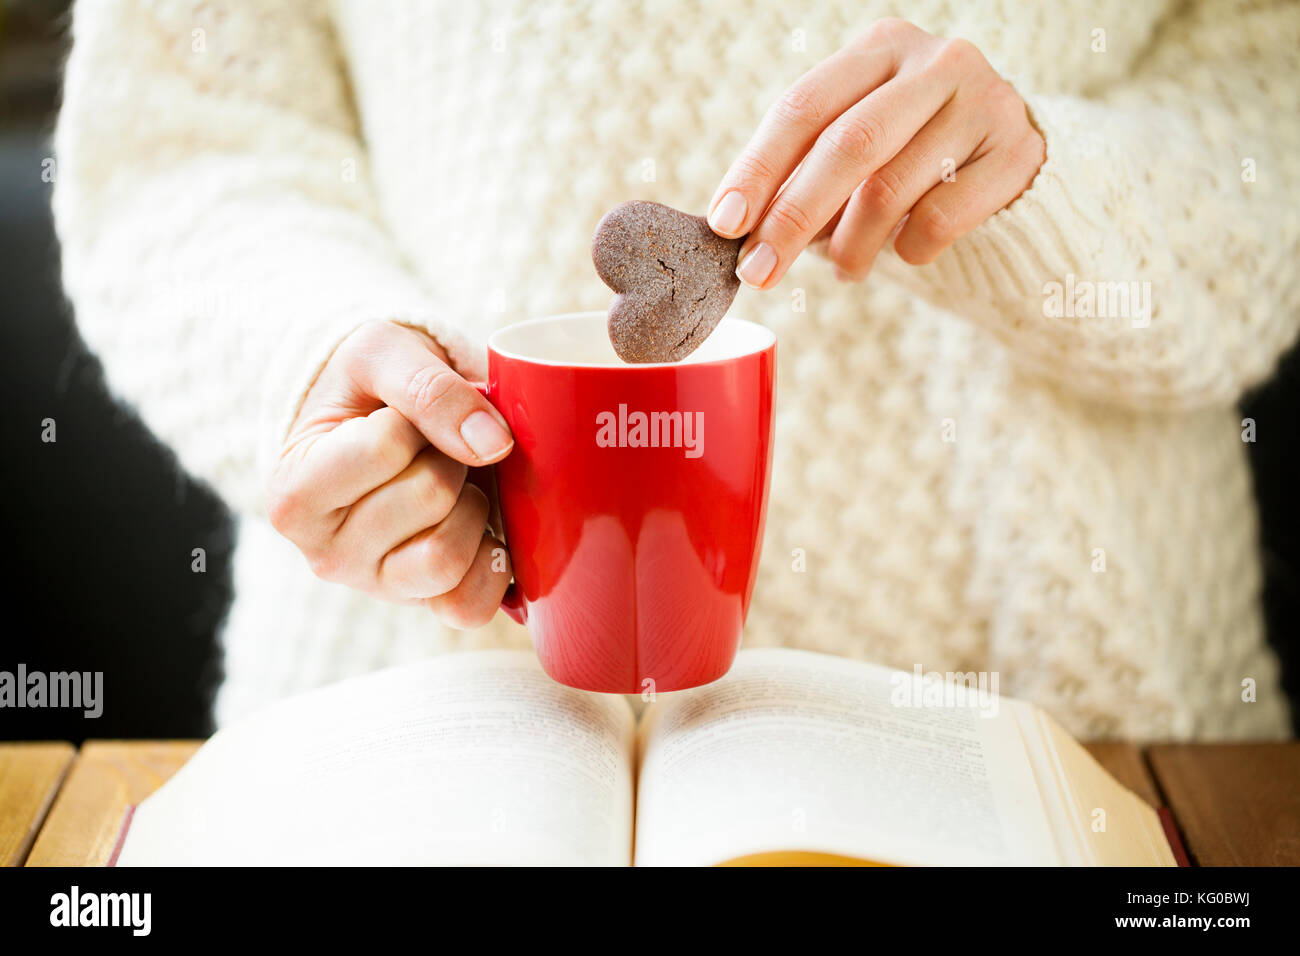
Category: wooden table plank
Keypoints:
(1124, 762)
(30, 774)
(1236, 804)
(106, 778)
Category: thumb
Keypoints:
(403, 371)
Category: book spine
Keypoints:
(1173, 836)
(121, 835)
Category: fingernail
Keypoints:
(842, 275)
(484, 436)
(729, 215)
(757, 265)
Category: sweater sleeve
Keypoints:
(1151, 263)
(219, 234)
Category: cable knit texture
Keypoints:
(242, 183)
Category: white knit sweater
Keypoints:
(242, 183)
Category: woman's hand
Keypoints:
(371, 485)
(899, 125)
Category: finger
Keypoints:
(950, 210)
(331, 470)
(435, 560)
(822, 240)
(853, 147)
(421, 496)
(793, 123)
(401, 369)
(486, 481)
(878, 205)
(474, 601)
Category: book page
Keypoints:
(470, 758)
(796, 751)
(1101, 822)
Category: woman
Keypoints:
(1006, 443)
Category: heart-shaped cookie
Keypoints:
(675, 279)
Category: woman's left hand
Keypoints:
(897, 125)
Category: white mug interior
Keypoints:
(581, 339)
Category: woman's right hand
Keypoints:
(370, 484)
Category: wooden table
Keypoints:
(1235, 804)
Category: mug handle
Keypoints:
(513, 602)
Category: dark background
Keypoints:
(97, 529)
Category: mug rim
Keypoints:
(769, 342)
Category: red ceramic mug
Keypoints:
(634, 499)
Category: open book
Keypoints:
(793, 757)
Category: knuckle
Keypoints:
(804, 104)
(787, 219)
(327, 564)
(957, 53)
(448, 553)
(853, 139)
(434, 566)
(436, 487)
(1003, 102)
(284, 505)
(367, 336)
(883, 192)
(382, 456)
(1031, 151)
(443, 563)
(934, 226)
(430, 387)
(751, 169)
(891, 28)
(472, 496)
(357, 354)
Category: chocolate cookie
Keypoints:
(674, 276)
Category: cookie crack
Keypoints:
(690, 334)
(672, 278)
